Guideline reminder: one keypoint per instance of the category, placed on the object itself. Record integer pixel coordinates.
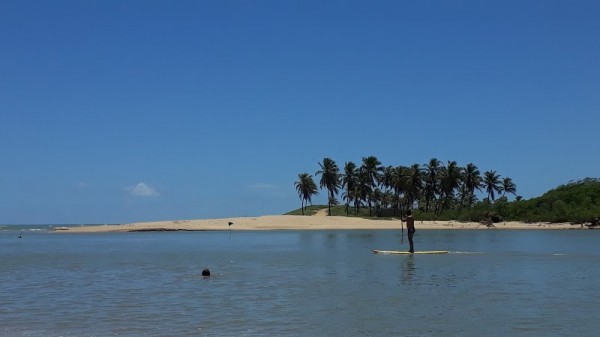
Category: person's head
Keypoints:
(206, 272)
(409, 212)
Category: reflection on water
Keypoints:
(408, 272)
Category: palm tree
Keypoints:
(306, 188)
(387, 178)
(330, 179)
(414, 184)
(349, 181)
(357, 198)
(508, 186)
(431, 172)
(369, 176)
(450, 179)
(363, 190)
(377, 198)
(372, 168)
(466, 197)
(471, 182)
(491, 182)
(400, 185)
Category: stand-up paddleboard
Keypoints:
(377, 251)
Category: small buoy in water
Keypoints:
(206, 272)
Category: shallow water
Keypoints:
(299, 283)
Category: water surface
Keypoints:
(300, 283)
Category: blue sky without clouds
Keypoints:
(123, 111)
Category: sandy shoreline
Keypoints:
(295, 222)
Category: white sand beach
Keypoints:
(296, 222)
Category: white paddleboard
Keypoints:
(376, 251)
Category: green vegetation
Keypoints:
(577, 202)
(308, 210)
(443, 192)
(336, 210)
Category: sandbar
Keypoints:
(299, 222)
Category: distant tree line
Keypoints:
(445, 192)
(432, 188)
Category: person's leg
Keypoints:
(410, 241)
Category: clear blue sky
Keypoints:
(123, 111)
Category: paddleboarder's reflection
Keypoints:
(408, 270)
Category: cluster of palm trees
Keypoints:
(429, 187)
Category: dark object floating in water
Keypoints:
(206, 272)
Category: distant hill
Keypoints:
(575, 202)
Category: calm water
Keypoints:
(299, 283)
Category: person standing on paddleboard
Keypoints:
(410, 226)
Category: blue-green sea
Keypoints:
(299, 283)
